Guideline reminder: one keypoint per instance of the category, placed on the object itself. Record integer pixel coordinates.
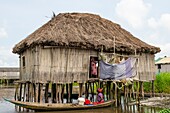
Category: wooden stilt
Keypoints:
(46, 92)
(28, 91)
(53, 93)
(62, 93)
(153, 89)
(20, 94)
(24, 92)
(125, 95)
(31, 92)
(91, 91)
(133, 95)
(87, 90)
(130, 92)
(142, 90)
(57, 92)
(34, 89)
(138, 86)
(116, 95)
(16, 92)
(109, 88)
(71, 87)
(39, 92)
(67, 93)
(107, 91)
(80, 89)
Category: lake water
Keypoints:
(6, 107)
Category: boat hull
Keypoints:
(58, 106)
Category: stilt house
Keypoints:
(61, 50)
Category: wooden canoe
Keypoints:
(58, 106)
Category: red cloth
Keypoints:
(87, 102)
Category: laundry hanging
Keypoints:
(125, 69)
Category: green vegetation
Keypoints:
(162, 83)
(165, 111)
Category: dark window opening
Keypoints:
(93, 73)
(23, 61)
(159, 66)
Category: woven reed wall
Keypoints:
(56, 64)
(146, 67)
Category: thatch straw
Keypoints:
(83, 30)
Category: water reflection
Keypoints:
(6, 107)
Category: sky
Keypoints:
(148, 20)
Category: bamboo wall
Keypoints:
(66, 65)
(146, 67)
(57, 65)
(26, 72)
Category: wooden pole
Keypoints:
(28, 91)
(53, 92)
(80, 89)
(115, 95)
(39, 92)
(107, 90)
(24, 92)
(71, 87)
(31, 92)
(34, 88)
(57, 93)
(153, 89)
(62, 93)
(46, 92)
(138, 87)
(16, 92)
(87, 90)
(20, 94)
(67, 92)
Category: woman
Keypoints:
(100, 97)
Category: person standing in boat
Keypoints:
(100, 97)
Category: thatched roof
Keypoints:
(84, 30)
